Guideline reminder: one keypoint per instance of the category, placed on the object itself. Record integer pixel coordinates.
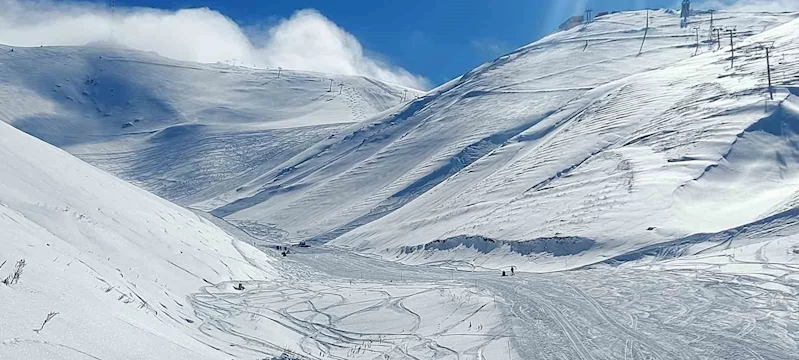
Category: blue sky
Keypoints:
(438, 39)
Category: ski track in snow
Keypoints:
(607, 313)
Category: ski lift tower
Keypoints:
(685, 13)
(113, 18)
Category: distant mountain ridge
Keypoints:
(181, 130)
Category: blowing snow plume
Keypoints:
(305, 41)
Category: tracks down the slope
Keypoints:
(605, 313)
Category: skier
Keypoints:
(512, 273)
(240, 287)
(503, 273)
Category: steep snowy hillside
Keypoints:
(115, 263)
(574, 145)
(184, 131)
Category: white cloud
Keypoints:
(305, 41)
(750, 5)
(309, 40)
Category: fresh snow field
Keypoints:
(648, 203)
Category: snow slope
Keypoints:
(116, 263)
(574, 145)
(127, 275)
(184, 131)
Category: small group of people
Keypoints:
(479, 327)
(284, 250)
(512, 272)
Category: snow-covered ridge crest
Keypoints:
(307, 40)
(183, 130)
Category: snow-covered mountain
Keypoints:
(582, 150)
(574, 145)
(588, 143)
(184, 131)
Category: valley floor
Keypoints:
(338, 305)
